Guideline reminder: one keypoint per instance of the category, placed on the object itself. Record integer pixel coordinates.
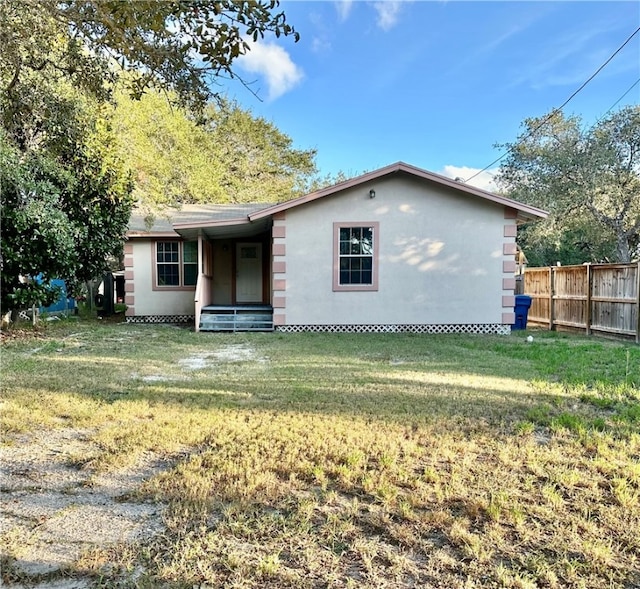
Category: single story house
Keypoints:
(396, 249)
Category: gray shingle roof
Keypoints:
(163, 221)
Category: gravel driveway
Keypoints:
(52, 511)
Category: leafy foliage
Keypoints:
(38, 57)
(65, 191)
(568, 241)
(260, 162)
(589, 180)
(182, 45)
(228, 155)
(64, 214)
(168, 152)
(36, 235)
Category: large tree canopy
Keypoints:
(229, 156)
(64, 190)
(588, 179)
(65, 193)
(179, 45)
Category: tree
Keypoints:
(172, 158)
(36, 235)
(65, 193)
(64, 211)
(259, 162)
(589, 181)
(229, 156)
(181, 45)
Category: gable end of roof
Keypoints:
(525, 212)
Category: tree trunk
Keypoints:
(623, 251)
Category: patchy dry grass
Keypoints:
(315, 460)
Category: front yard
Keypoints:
(315, 460)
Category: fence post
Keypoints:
(551, 289)
(638, 304)
(588, 310)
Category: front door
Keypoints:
(249, 273)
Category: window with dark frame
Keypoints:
(190, 263)
(176, 263)
(356, 255)
(168, 263)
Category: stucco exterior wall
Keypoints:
(441, 258)
(140, 296)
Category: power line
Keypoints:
(606, 112)
(556, 110)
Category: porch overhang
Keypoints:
(226, 229)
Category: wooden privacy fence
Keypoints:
(595, 297)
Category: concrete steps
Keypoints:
(236, 318)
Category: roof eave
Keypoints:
(150, 234)
(211, 224)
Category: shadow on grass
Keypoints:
(398, 377)
(485, 382)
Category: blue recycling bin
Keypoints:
(523, 302)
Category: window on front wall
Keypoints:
(176, 263)
(190, 263)
(355, 256)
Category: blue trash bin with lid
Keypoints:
(523, 302)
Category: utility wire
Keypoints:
(556, 110)
(606, 112)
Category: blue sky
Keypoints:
(435, 84)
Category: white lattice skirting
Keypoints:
(482, 328)
(161, 319)
(474, 328)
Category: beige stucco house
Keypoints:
(396, 249)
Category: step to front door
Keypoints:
(236, 318)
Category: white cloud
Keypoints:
(484, 180)
(274, 64)
(320, 45)
(388, 13)
(344, 9)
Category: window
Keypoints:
(355, 256)
(248, 252)
(190, 263)
(176, 263)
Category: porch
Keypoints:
(233, 289)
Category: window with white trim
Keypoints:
(355, 256)
(176, 263)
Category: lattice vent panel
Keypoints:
(161, 319)
(483, 328)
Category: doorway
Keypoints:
(249, 273)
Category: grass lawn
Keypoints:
(351, 460)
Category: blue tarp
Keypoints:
(64, 303)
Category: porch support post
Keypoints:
(199, 283)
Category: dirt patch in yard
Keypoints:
(52, 511)
(230, 353)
